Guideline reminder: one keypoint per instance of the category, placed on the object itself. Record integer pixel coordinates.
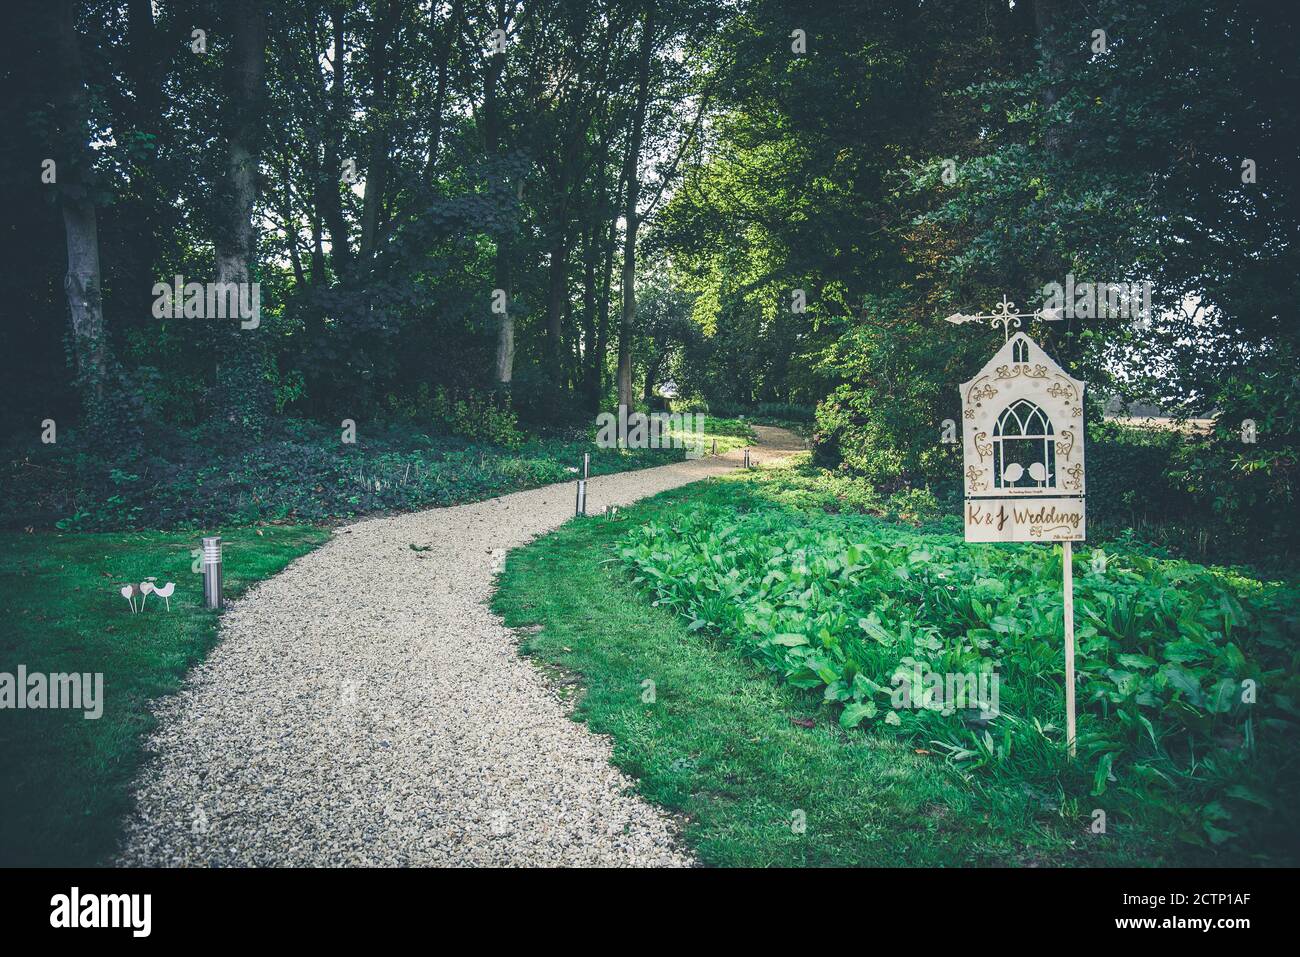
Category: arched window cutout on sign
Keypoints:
(1024, 447)
(1020, 351)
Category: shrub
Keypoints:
(473, 415)
(298, 470)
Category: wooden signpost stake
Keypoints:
(1067, 589)
(1023, 461)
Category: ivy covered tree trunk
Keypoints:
(503, 371)
(75, 180)
(504, 364)
(243, 395)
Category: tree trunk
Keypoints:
(331, 205)
(602, 325)
(291, 230)
(243, 396)
(317, 253)
(1047, 20)
(589, 359)
(440, 94)
(81, 284)
(80, 221)
(505, 360)
(377, 164)
(556, 294)
(233, 243)
(627, 317)
(1047, 16)
(598, 256)
(652, 374)
(503, 371)
(145, 66)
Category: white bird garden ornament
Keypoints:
(165, 593)
(144, 590)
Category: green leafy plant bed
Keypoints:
(64, 778)
(1187, 684)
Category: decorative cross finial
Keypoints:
(1005, 313)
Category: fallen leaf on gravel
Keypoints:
(804, 722)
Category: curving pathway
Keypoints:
(364, 707)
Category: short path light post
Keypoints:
(581, 507)
(746, 458)
(586, 465)
(212, 571)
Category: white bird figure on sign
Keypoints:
(165, 593)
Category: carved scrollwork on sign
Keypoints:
(1010, 372)
(1038, 530)
(1075, 481)
(973, 475)
(1058, 391)
(983, 448)
(984, 392)
(969, 413)
(1065, 444)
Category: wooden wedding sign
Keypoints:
(1022, 457)
(1022, 442)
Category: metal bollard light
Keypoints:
(212, 571)
(746, 458)
(586, 465)
(581, 508)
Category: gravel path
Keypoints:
(364, 707)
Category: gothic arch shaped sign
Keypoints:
(1022, 442)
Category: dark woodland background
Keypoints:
(648, 182)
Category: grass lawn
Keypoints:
(64, 779)
(747, 758)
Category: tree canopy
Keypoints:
(563, 206)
